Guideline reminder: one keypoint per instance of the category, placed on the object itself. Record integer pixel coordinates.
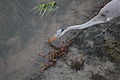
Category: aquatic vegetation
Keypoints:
(97, 77)
(77, 65)
(112, 48)
(46, 8)
(57, 52)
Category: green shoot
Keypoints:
(46, 8)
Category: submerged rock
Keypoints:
(22, 35)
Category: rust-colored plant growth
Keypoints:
(57, 52)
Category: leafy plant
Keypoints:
(46, 8)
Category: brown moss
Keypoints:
(77, 65)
